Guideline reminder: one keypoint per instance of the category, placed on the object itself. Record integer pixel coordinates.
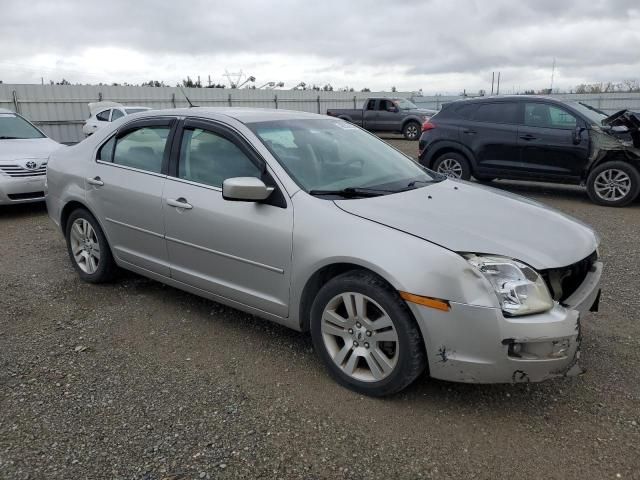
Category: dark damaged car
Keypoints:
(537, 139)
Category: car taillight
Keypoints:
(428, 126)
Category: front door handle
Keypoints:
(96, 181)
(179, 203)
(469, 132)
(527, 137)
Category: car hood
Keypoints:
(22, 148)
(469, 218)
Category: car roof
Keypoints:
(244, 115)
(518, 98)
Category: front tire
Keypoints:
(453, 165)
(613, 184)
(366, 335)
(88, 248)
(411, 131)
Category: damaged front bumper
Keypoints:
(480, 345)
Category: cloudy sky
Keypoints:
(440, 46)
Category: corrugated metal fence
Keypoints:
(60, 110)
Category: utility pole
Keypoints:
(209, 81)
(493, 78)
(498, 87)
(553, 71)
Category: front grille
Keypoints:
(564, 281)
(19, 171)
(25, 196)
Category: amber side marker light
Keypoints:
(426, 301)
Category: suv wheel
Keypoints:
(88, 248)
(411, 131)
(614, 184)
(453, 165)
(366, 335)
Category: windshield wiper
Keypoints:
(352, 192)
(426, 182)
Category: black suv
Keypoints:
(537, 138)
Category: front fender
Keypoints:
(408, 263)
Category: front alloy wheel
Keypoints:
(614, 184)
(360, 337)
(366, 334)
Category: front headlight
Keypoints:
(520, 289)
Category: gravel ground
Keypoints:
(138, 380)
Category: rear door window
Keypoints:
(142, 148)
(499, 112)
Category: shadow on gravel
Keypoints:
(424, 394)
(10, 212)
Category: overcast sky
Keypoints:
(440, 46)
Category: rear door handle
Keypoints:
(179, 203)
(469, 132)
(527, 137)
(95, 181)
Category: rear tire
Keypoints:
(613, 184)
(411, 131)
(366, 335)
(453, 165)
(88, 248)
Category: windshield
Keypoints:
(15, 127)
(332, 155)
(131, 111)
(404, 104)
(592, 113)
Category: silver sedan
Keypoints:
(313, 223)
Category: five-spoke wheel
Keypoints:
(360, 336)
(366, 335)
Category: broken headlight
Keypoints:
(520, 289)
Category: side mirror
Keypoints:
(245, 189)
(577, 135)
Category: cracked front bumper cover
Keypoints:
(476, 344)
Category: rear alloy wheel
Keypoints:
(366, 335)
(613, 184)
(411, 131)
(452, 165)
(88, 248)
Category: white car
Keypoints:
(102, 113)
(24, 152)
